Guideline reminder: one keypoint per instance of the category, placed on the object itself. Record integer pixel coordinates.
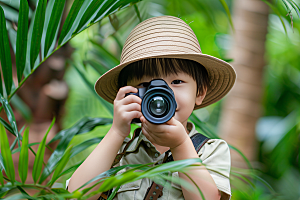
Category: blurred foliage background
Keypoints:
(98, 49)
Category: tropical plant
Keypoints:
(35, 44)
(58, 161)
(56, 165)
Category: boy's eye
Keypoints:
(176, 82)
(144, 84)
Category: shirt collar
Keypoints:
(136, 142)
(191, 128)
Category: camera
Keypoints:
(158, 102)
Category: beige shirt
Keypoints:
(214, 154)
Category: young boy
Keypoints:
(163, 48)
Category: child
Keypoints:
(166, 48)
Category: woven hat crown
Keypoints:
(160, 36)
(168, 37)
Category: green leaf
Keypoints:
(84, 145)
(19, 148)
(13, 144)
(136, 172)
(109, 173)
(61, 165)
(90, 13)
(286, 6)
(65, 136)
(14, 4)
(1, 162)
(12, 35)
(4, 190)
(295, 6)
(19, 196)
(1, 177)
(204, 127)
(21, 107)
(22, 38)
(277, 12)
(10, 13)
(1, 86)
(199, 190)
(22, 190)
(225, 6)
(244, 178)
(70, 169)
(49, 10)
(137, 12)
(37, 32)
(53, 24)
(70, 19)
(84, 125)
(244, 157)
(6, 153)
(23, 158)
(27, 70)
(5, 56)
(96, 65)
(106, 10)
(1, 169)
(7, 126)
(108, 106)
(38, 161)
(10, 115)
(117, 5)
(298, 7)
(110, 59)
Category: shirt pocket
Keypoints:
(128, 191)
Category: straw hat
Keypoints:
(168, 37)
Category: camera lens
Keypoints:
(158, 106)
(158, 102)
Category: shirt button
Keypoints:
(156, 155)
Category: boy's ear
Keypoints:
(200, 96)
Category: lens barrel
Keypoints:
(158, 102)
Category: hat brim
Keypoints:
(221, 75)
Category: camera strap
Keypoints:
(155, 190)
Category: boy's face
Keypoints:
(185, 91)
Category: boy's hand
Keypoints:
(170, 134)
(125, 109)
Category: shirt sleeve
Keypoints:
(215, 155)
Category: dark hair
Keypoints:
(155, 67)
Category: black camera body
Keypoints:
(158, 102)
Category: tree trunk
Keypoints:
(242, 107)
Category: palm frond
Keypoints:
(41, 37)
